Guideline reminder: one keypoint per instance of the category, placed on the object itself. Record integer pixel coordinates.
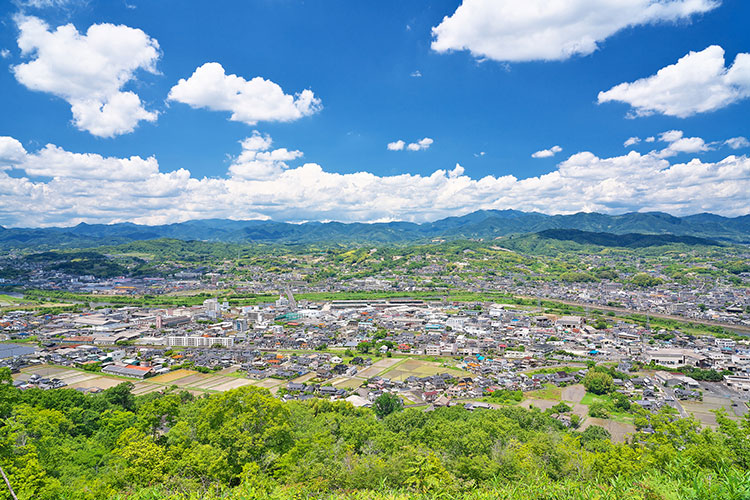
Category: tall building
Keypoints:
(212, 308)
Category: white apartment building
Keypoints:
(198, 341)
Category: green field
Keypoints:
(548, 392)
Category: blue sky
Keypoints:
(379, 73)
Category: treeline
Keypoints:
(247, 444)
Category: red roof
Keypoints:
(136, 367)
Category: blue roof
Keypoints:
(10, 350)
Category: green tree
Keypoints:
(121, 395)
(6, 375)
(387, 403)
(598, 382)
(598, 410)
(364, 347)
(645, 280)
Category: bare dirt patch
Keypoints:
(172, 376)
(542, 404)
(100, 382)
(573, 393)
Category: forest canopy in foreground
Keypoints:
(246, 444)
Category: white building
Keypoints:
(198, 341)
(213, 310)
(570, 322)
(725, 343)
(666, 357)
(739, 382)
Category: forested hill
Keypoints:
(628, 240)
(246, 444)
(486, 224)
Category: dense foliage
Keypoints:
(598, 382)
(247, 444)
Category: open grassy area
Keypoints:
(591, 398)
(548, 392)
(617, 416)
(7, 300)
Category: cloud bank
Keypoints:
(52, 186)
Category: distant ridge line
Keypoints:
(482, 224)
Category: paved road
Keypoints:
(675, 403)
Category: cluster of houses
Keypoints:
(39, 382)
(500, 346)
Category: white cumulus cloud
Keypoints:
(677, 144)
(547, 153)
(631, 141)
(249, 101)
(396, 145)
(258, 161)
(89, 71)
(420, 145)
(12, 152)
(737, 142)
(697, 83)
(529, 30)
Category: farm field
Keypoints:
(703, 410)
(379, 367)
(269, 383)
(406, 368)
(347, 382)
(192, 381)
(172, 376)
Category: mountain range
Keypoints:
(485, 224)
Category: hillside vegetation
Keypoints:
(246, 444)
